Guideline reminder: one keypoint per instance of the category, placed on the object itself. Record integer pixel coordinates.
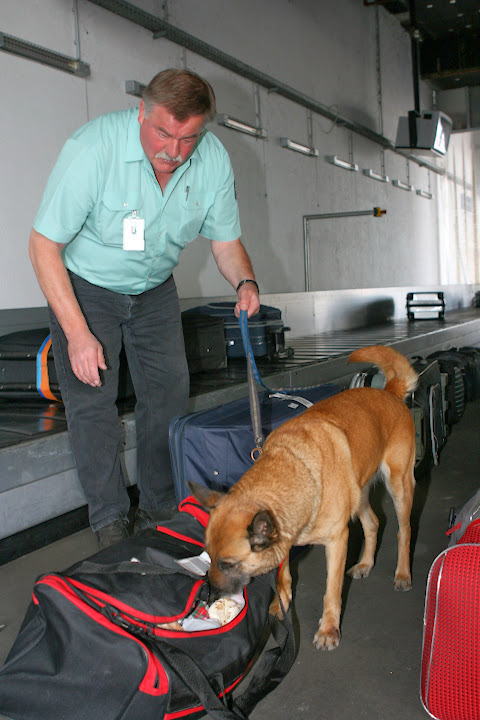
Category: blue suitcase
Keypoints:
(213, 447)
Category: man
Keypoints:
(129, 190)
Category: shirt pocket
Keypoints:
(114, 208)
(193, 208)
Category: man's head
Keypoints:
(182, 93)
(175, 107)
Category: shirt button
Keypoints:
(125, 204)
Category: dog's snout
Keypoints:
(223, 584)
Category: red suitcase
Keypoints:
(450, 672)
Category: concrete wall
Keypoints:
(326, 50)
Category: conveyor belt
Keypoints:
(39, 490)
(22, 420)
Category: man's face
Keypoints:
(167, 143)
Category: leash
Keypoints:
(253, 375)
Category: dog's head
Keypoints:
(242, 539)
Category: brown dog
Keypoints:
(311, 479)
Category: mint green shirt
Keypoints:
(102, 174)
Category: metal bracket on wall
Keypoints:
(376, 212)
(17, 46)
(133, 87)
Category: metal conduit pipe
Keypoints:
(161, 28)
(376, 212)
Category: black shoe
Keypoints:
(112, 533)
(149, 519)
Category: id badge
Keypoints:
(134, 233)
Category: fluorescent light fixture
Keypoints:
(424, 194)
(133, 87)
(368, 172)
(402, 185)
(298, 147)
(241, 126)
(334, 160)
(43, 55)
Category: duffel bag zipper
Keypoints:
(132, 617)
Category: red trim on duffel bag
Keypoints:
(193, 507)
(179, 536)
(155, 680)
(133, 614)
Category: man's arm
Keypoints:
(234, 264)
(84, 350)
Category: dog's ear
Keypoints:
(262, 531)
(208, 498)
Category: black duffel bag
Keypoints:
(97, 644)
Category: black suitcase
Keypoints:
(266, 330)
(473, 356)
(130, 633)
(454, 389)
(213, 447)
(27, 368)
(465, 366)
(204, 342)
(427, 405)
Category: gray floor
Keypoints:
(374, 673)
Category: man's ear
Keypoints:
(262, 531)
(208, 498)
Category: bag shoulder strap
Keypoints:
(268, 674)
(274, 666)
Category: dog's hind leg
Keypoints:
(327, 636)
(401, 486)
(370, 530)
(284, 589)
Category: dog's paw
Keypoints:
(403, 583)
(326, 640)
(360, 570)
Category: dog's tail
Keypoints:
(401, 377)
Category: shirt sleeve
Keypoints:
(70, 193)
(223, 221)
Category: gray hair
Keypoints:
(183, 93)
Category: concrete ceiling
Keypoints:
(449, 38)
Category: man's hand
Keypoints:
(248, 300)
(86, 358)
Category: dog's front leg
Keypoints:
(327, 636)
(284, 589)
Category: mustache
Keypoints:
(162, 155)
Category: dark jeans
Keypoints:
(151, 330)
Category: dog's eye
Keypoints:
(226, 565)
